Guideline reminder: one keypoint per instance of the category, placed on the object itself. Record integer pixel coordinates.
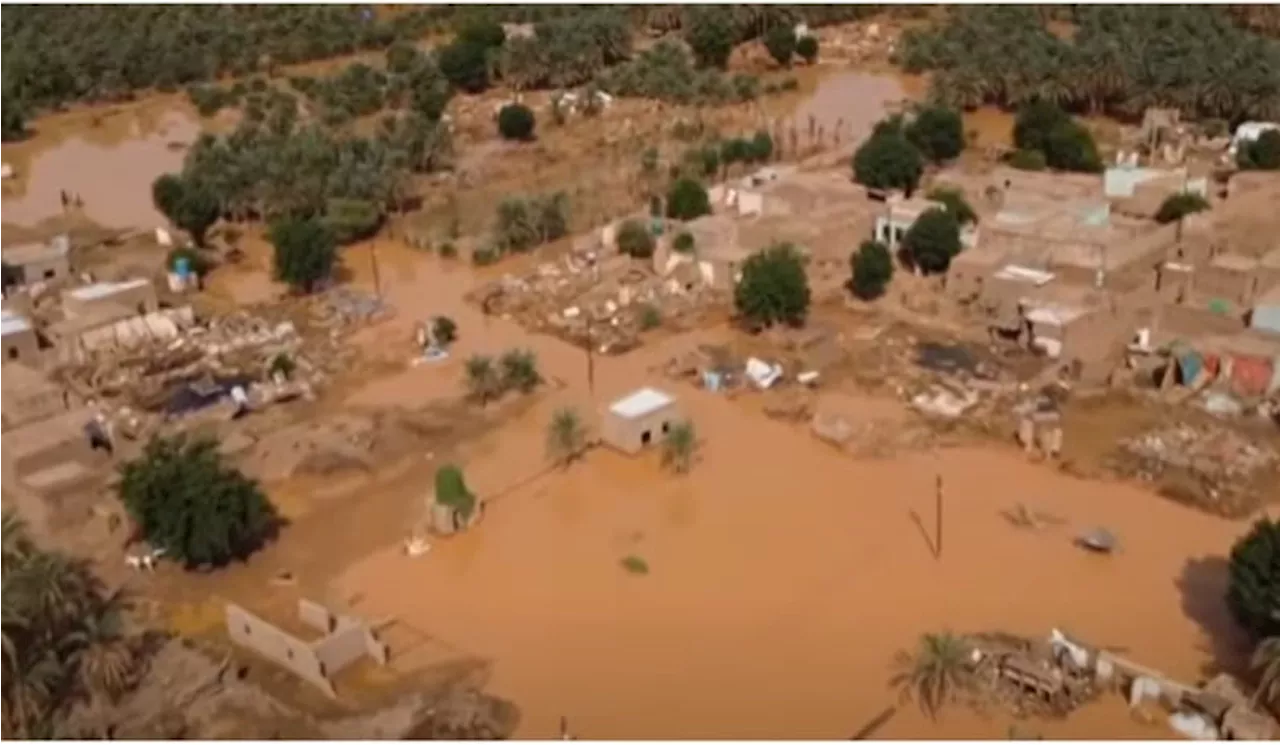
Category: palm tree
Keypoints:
(678, 447)
(520, 370)
(1266, 662)
(483, 382)
(566, 437)
(936, 673)
(107, 659)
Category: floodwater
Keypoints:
(784, 576)
(109, 159)
(850, 103)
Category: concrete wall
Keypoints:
(283, 649)
(26, 406)
(136, 298)
(627, 435)
(46, 268)
(22, 346)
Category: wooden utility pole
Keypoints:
(591, 359)
(938, 516)
(373, 259)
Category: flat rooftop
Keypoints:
(27, 253)
(12, 323)
(640, 403)
(99, 290)
(1234, 263)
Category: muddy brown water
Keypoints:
(849, 101)
(783, 576)
(110, 163)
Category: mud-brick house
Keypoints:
(639, 419)
(1228, 282)
(37, 262)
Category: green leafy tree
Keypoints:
(484, 383)
(1263, 154)
(774, 287)
(710, 35)
(781, 43)
(186, 501)
(679, 446)
(635, 240)
(687, 200)
(872, 267)
(1253, 589)
(304, 252)
(188, 204)
(888, 161)
(932, 241)
(953, 199)
(760, 148)
(483, 32)
(684, 242)
(1066, 144)
(935, 674)
(807, 47)
(938, 132)
(13, 119)
(452, 491)
(516, 122)
(352, 220)
(1177, 206)
(566, 436)
(465, 65)
(520, 370)
(445, 330)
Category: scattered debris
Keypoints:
(1099, 540)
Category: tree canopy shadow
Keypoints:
(1203, 587)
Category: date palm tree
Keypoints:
(935, 673)
(678, 447)
(483, 381)
(566, 436)
(1266, 663)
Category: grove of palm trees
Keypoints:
(64, 637)
(1118, 60)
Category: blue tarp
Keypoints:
(1190, 363)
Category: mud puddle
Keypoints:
(108, 160)
(850, 103)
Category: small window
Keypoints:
(48, 274)
(666, 427)
(247, 632)
(13, 353)
(645, 437)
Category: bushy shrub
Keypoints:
(807, 47)
(938, 132)
(687, 200)
(1177, 206)
(781, 43)
(1263, 154)
(635, 240)
(872, 268)
(516, 122)
(888, 161)
(932, 241)
(774, 287)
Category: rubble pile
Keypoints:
(1220, 465)
(605, 304)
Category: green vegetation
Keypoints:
(282, 364)
(1177, 206)
(807, 47)
(888, 160)
(781, 43)
(650, 318)
(1253, 590)
(953, 199)
(938, 133)
(687, 200)
(63, 637)
(519, 370)
(1265, 662)
(304, 252)
(665, 72)
(635, 565)
(351, 220)
(1066, 145)
(516, 122)
(569, 51)
(525, 222)
(684, 242)
(774, 287)
(56, 56)
(872, 268)
(185, 500)
(1263, 154)
(1027, 160)
(452, 491)
(465, 64)
(566, 436)
(635, 240)
(445, 330)
(484, 383)
(932, 241)
(189, 204)
(1120, 60)
(935, 674)
(711, 35)
(679, 446)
